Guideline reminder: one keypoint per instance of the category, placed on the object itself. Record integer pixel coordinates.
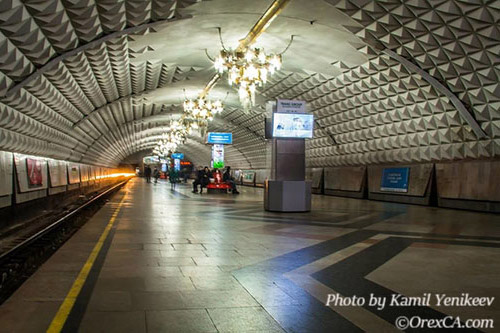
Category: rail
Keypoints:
(4, 256)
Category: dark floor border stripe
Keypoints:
(424, 234)
(348, 277)
(309, 315)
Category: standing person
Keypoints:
(147, 173)
(227, 178)
(156, 174)
(173, 175)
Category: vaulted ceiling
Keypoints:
(96, 81)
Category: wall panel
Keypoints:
(6, 173)
(419, 184)
(58, 173)
(315, 175)
(73, 173)
(469, 180)
(20, 161)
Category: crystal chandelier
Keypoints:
(197, 114)
(247, 69)
(201, 111)
(175, 135)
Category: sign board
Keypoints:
(290, 106)
(179, 156)
(218, 156)
(395, 180)
(220, 138)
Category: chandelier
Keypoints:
(197, 114)
(247, 69)
(175, 135)
(201, 111)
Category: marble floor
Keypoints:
(174, 261)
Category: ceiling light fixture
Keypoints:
(247, 68)
(201, 110)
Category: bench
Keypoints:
(218, 186)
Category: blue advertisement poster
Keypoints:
(220, 138)
(395, 180)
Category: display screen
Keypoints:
(293, 125)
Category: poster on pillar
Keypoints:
(218, 156)
(177, 164)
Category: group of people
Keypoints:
(148, 172)
(203, 179)
(173, 175)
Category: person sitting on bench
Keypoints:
(202, 179)
(228, 179)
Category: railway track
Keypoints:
(20, 261)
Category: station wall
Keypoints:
(460, 184)
(25, 178)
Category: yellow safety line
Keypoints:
(62, 314)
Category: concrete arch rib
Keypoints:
(54, 62)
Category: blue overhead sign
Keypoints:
(179, 156)
(395, 180)
(220, 138)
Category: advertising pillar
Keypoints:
(218, 156)
(287, 190)
(218, 140)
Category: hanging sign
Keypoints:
(179, 156)
(220, 138)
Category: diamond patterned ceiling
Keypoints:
(96, 81)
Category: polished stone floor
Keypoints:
(175, 261)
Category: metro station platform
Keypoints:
(157, 260)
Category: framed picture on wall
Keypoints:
(34, 168)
